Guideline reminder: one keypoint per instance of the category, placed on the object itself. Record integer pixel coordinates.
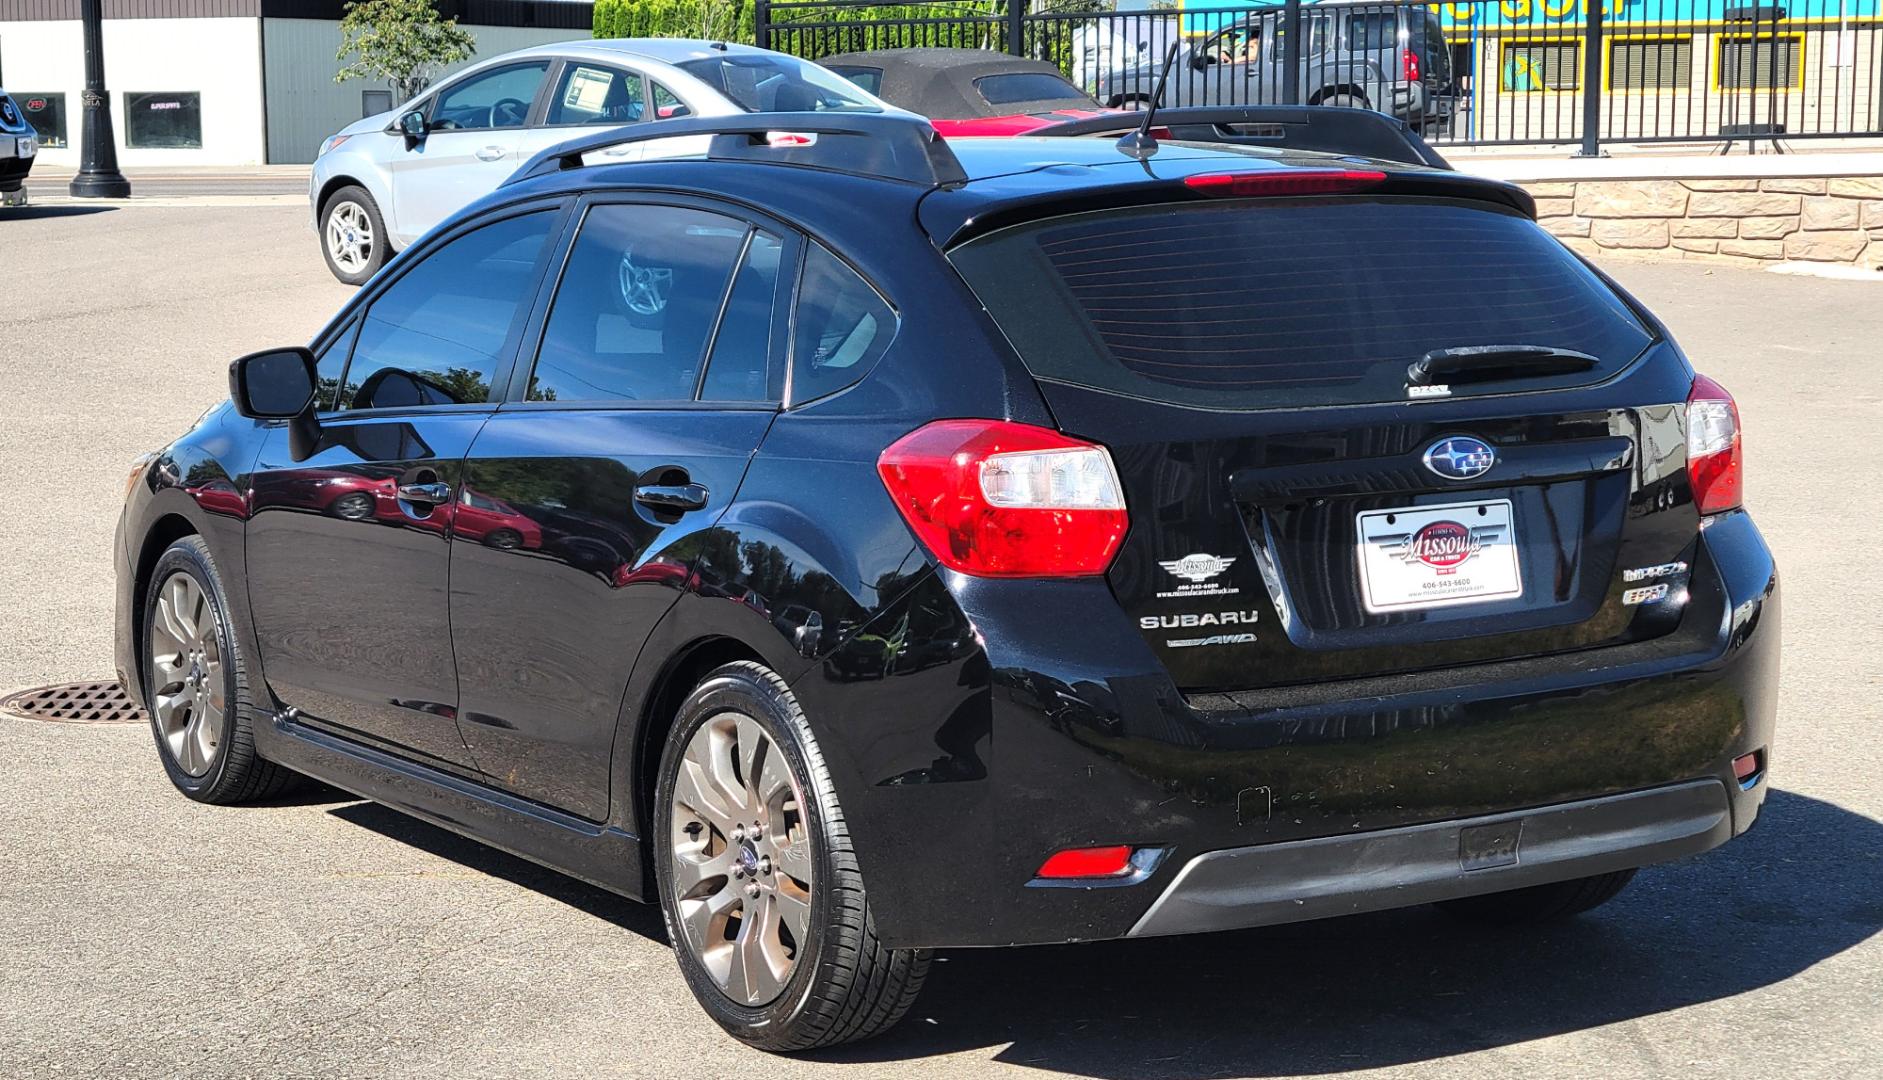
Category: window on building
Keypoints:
(1528, 67)
(1760, 63)
(374, 102)
(1652, 64)
(163, 121)
(46, 112)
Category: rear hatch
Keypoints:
(1302, 510)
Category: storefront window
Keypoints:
(154, 121)
(46, 112)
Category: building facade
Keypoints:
(223, 82)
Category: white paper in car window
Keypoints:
(588, 90)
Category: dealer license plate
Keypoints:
(1436, 556)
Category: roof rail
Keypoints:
(1326, 128)
(889, 146)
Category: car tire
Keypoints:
(353, 235)
(1540, 903)
(842, 984)
(504, 539)
(197, 684)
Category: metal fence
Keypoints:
(1483, 72)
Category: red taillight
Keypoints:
(1089, 862)
(1409, 64)
(999, 499)
(1283, 182)
(1713, 447)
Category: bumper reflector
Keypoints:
(1749, 768)
(1091, 862)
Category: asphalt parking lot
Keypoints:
(142, 935)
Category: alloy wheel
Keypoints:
(186, 661)
(350, 237)
(742, 874)
(644, 288)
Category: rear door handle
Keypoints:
(491, 153)
(671, 497)
(429, 494)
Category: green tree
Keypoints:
(401, 41)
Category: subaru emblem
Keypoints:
(1460, 457)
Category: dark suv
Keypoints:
(978, 543)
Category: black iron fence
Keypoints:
(1468, 72)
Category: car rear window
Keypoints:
(769, 84)
(1254, 304)
(1027, 86)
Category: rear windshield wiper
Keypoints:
(1489, 363)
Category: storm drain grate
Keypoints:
(102, 702)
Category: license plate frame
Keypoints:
(1416, 558)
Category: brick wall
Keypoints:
(1751, 220)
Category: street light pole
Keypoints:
(98, 176)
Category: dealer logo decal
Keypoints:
(1442, 545)
(1198, 572)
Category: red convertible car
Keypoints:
(969, 91)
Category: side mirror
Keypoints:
(1201, 61)
(414, 126)
(276, 384)
(279, 384)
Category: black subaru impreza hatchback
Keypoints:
(861, 544)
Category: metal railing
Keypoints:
(1471, 72)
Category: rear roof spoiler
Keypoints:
(1327, 129)
(890, 146)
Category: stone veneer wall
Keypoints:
(1748, 221)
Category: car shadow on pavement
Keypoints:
(1399, 987)
(31, 212)
(642, 919)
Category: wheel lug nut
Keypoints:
(738, 833)
(752, 890)
(765, 866)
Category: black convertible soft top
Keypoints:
(942, 83)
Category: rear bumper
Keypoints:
(1049, 725)
(1345, 875)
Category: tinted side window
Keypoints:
(497, 99)
(332, 362)
(840, 328)
(667, 105)
(1367, 31)
(636, 305)
(587, 94)
(436, 335)
(739, 366)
